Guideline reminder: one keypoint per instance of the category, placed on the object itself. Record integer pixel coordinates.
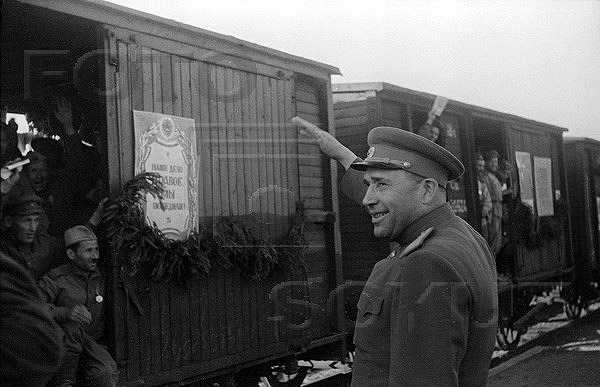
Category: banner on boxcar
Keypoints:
(523, 160)
(543, 186)
(166, 145)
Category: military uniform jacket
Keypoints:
(67, 286)
(31, 347)
(46, 252)
(495, 192)
(427, 315)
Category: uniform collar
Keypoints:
(78, 272)
(433, 218)
(12, 239)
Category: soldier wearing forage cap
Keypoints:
(495, 224)
(22, 239)
(75, 293)
(428, 312)
(485, 199)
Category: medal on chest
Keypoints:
(99, 297)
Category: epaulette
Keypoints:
(416, 244)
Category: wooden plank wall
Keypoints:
(248, 167)
(311, 105)
(456, 194)
(584, 187)
(552, 255)
(353, 120)
(394, 113)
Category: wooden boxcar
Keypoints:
(241, 97)
(582, 156)
(467, 129)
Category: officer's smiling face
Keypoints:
(392, 199)
(86, 255)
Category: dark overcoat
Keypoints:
(427, 315)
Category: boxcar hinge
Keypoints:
(113, 61)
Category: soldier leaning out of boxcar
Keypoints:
(427, 315)
(485, 198)
(495, 224)
(75, 294)
(65, 173)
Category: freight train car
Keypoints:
(238, 98)
(582, 156)
(532, 257)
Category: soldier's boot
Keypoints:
(67, 374)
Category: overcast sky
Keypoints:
(535, 59)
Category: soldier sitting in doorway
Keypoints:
(22, 238)
(75, 293)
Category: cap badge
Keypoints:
(371, 151)
(99, 298)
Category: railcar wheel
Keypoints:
(573, 309)
(507, 338)
(281, 377)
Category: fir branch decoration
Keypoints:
(139, 246)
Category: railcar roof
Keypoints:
(388, 87)
(117, 15)
(585, 140)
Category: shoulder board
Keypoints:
(417, 243)
(396, 251)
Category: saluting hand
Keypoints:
(328, 144)
(79, 313)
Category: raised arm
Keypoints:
(351, 183)
(328, 144)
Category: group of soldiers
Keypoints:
(53, 289)
(494, 188)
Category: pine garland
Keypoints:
(142, 247)
(532, 230)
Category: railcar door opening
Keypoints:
(46, 56)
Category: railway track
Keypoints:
(336, 374)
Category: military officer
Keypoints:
(75, 294)
(427, 315)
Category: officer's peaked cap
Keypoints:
(393, 148)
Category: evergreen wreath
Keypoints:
(139, 246)
(533, 230)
